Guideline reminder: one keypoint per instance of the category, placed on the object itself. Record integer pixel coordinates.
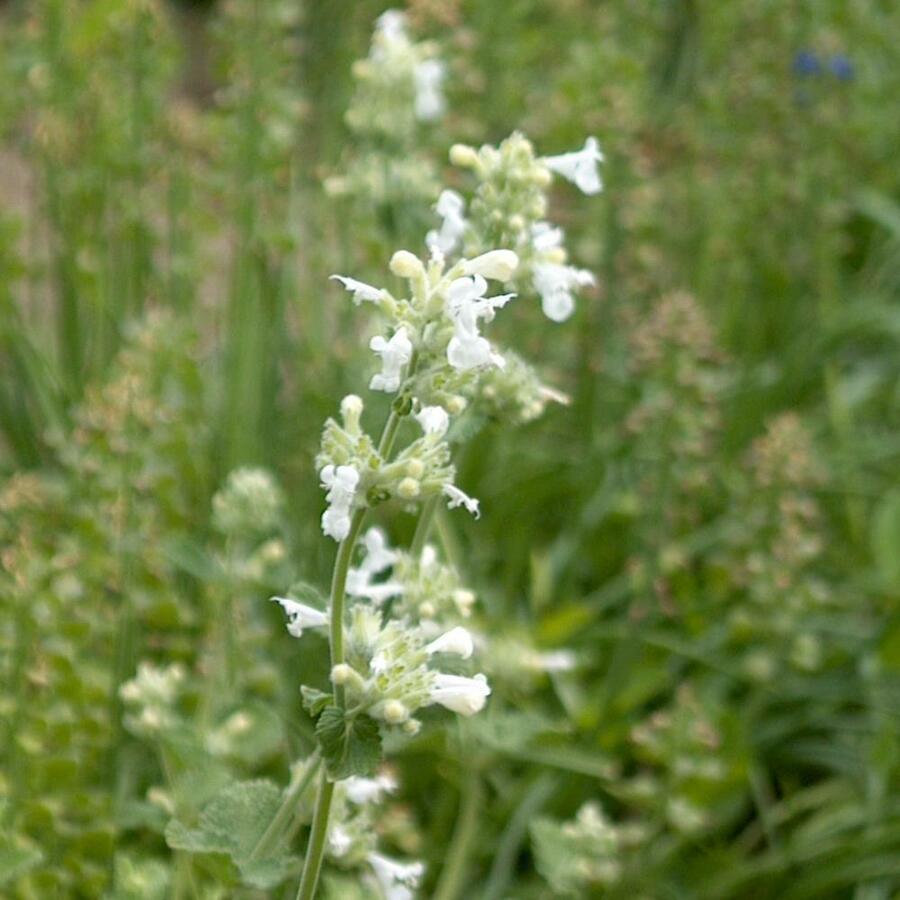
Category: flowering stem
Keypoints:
(316, 849)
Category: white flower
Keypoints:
(301, 616)
(545, 236)
(450, 208)
(339, 841)
(368, 790)
(391, 25)
(457, 641)
(341, 482)
(428, 77)
(395, 354)
(395, 878)
(497, 264)
(456, 497)
(360, 290)
(379, 555)
(360, 584)
(555, 283)
(466, 304)
(434, 420)
(580, 166)
(459, 694)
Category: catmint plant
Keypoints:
(387, 663)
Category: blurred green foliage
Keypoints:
(712, 527)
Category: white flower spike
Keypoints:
(300, 616)
(580, 166)
(359, 289)
(456, 497)
(395, 354)
(459, 694)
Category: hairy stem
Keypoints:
(316, 849)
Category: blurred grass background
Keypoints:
(713, 525)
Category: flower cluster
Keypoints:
(508, 209)
(150, 698)
(250, 502)
(399, 86)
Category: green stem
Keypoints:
(316, 849)
(293, 794)
(338, 586)
(423, 526)
(319, 830)
(453, 876)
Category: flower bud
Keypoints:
(406, 265)
(415, 468)
(412, 726)
(427, 610)
(408, 488)
(395, 712)
(341, 674)
(455, 405)
(464, 156)
(542, 176)
(497, 264)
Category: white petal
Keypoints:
(497, 264)
(456, 497)
(457, 641)
(300, 615)
(360, 290)
(579, 166)
(462, 695)
(433, 419)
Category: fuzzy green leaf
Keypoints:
(350, 745)
(314, 700)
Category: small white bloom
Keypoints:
(360, 584)
(450, 207)
(395, 354)
(456, 497)
(368, 790)
(394, 877)
(459, 694)
(545, 236)
(360, 290)
(555, 283)
(466, 304)
(339, 841)
(433, 419)
(379, 555)
(391, 25)
(300, 615)
(580, 166)
(341, 482)
(457, 641)
(429, 79)
(497, 264)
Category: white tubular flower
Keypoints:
(545, 237)
(497, 264)
(406, 265)
(391, 25)
(434, 420)
(368, 790)
(379, 555)
(300, 615)
(428, 77)
(395, 878)
(395, 354)
(360, 290)
(466, 304)
(456, 497)
(450, 207)
(555, 283)
(341, 482)
(457, 641)
(459, 694)
(360, 584)
(579, 167)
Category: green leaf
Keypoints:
(314, 700)
(16, 861)
(885, 539)
(232, 824)
(350, 745)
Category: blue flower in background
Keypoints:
(841, 67)
(806, 63)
